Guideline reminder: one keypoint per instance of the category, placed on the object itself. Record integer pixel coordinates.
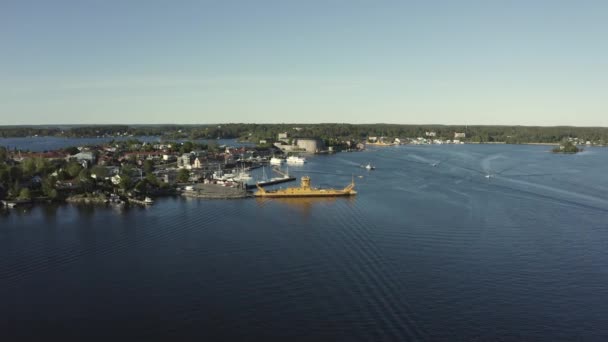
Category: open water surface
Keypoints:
(423, 252)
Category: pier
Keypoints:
(215, 191)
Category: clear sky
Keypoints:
(445, 62)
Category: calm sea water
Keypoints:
(427, 253)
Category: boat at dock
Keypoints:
(145, 201)
(14, 203)
(242, 176)
(276, 161)
(296, 160)
(220, 175)
(274, 180)
(305, 190)
(116, 200)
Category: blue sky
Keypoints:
(442, 62)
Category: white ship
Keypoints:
(276, 161)
(296, 160)
(242, 176)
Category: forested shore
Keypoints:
(327, 131)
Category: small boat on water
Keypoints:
(148, 200)
(369, 167)
(305, 190)
(296, 160)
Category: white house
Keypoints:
(115, 179)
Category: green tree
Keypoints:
(186, 147)
(183, 175)
(100, 172)
(28, 166)
(126, 170)
(148, 166)
(14, 189)
(132, 159)
(48, 187)
(52, 194)
(24, 194)
(42, 166)
(213, 146)
(141, 186)
(4, 175)
(3, 154)
(73, 169)
(62, 175)
(125, 181)
(15, 174)
(152, 179)
(85, 180)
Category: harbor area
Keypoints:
(215, 191)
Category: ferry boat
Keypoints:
(305, 190)
(296, 160)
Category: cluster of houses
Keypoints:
(429, 138)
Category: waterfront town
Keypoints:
(128, 170)
(131, 171)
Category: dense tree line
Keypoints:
(22, 131)
(329, 131)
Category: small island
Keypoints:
(567, 147)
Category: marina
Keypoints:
(272, 181)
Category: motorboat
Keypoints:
(296, 160)
(276, 161)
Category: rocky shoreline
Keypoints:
(87, 199)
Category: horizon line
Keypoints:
(290, 123)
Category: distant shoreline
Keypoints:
(331, 133)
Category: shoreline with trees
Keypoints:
(326, 131)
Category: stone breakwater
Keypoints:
(214, 191)
(87, 199)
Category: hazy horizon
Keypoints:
(279, 123)
(452, 63)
